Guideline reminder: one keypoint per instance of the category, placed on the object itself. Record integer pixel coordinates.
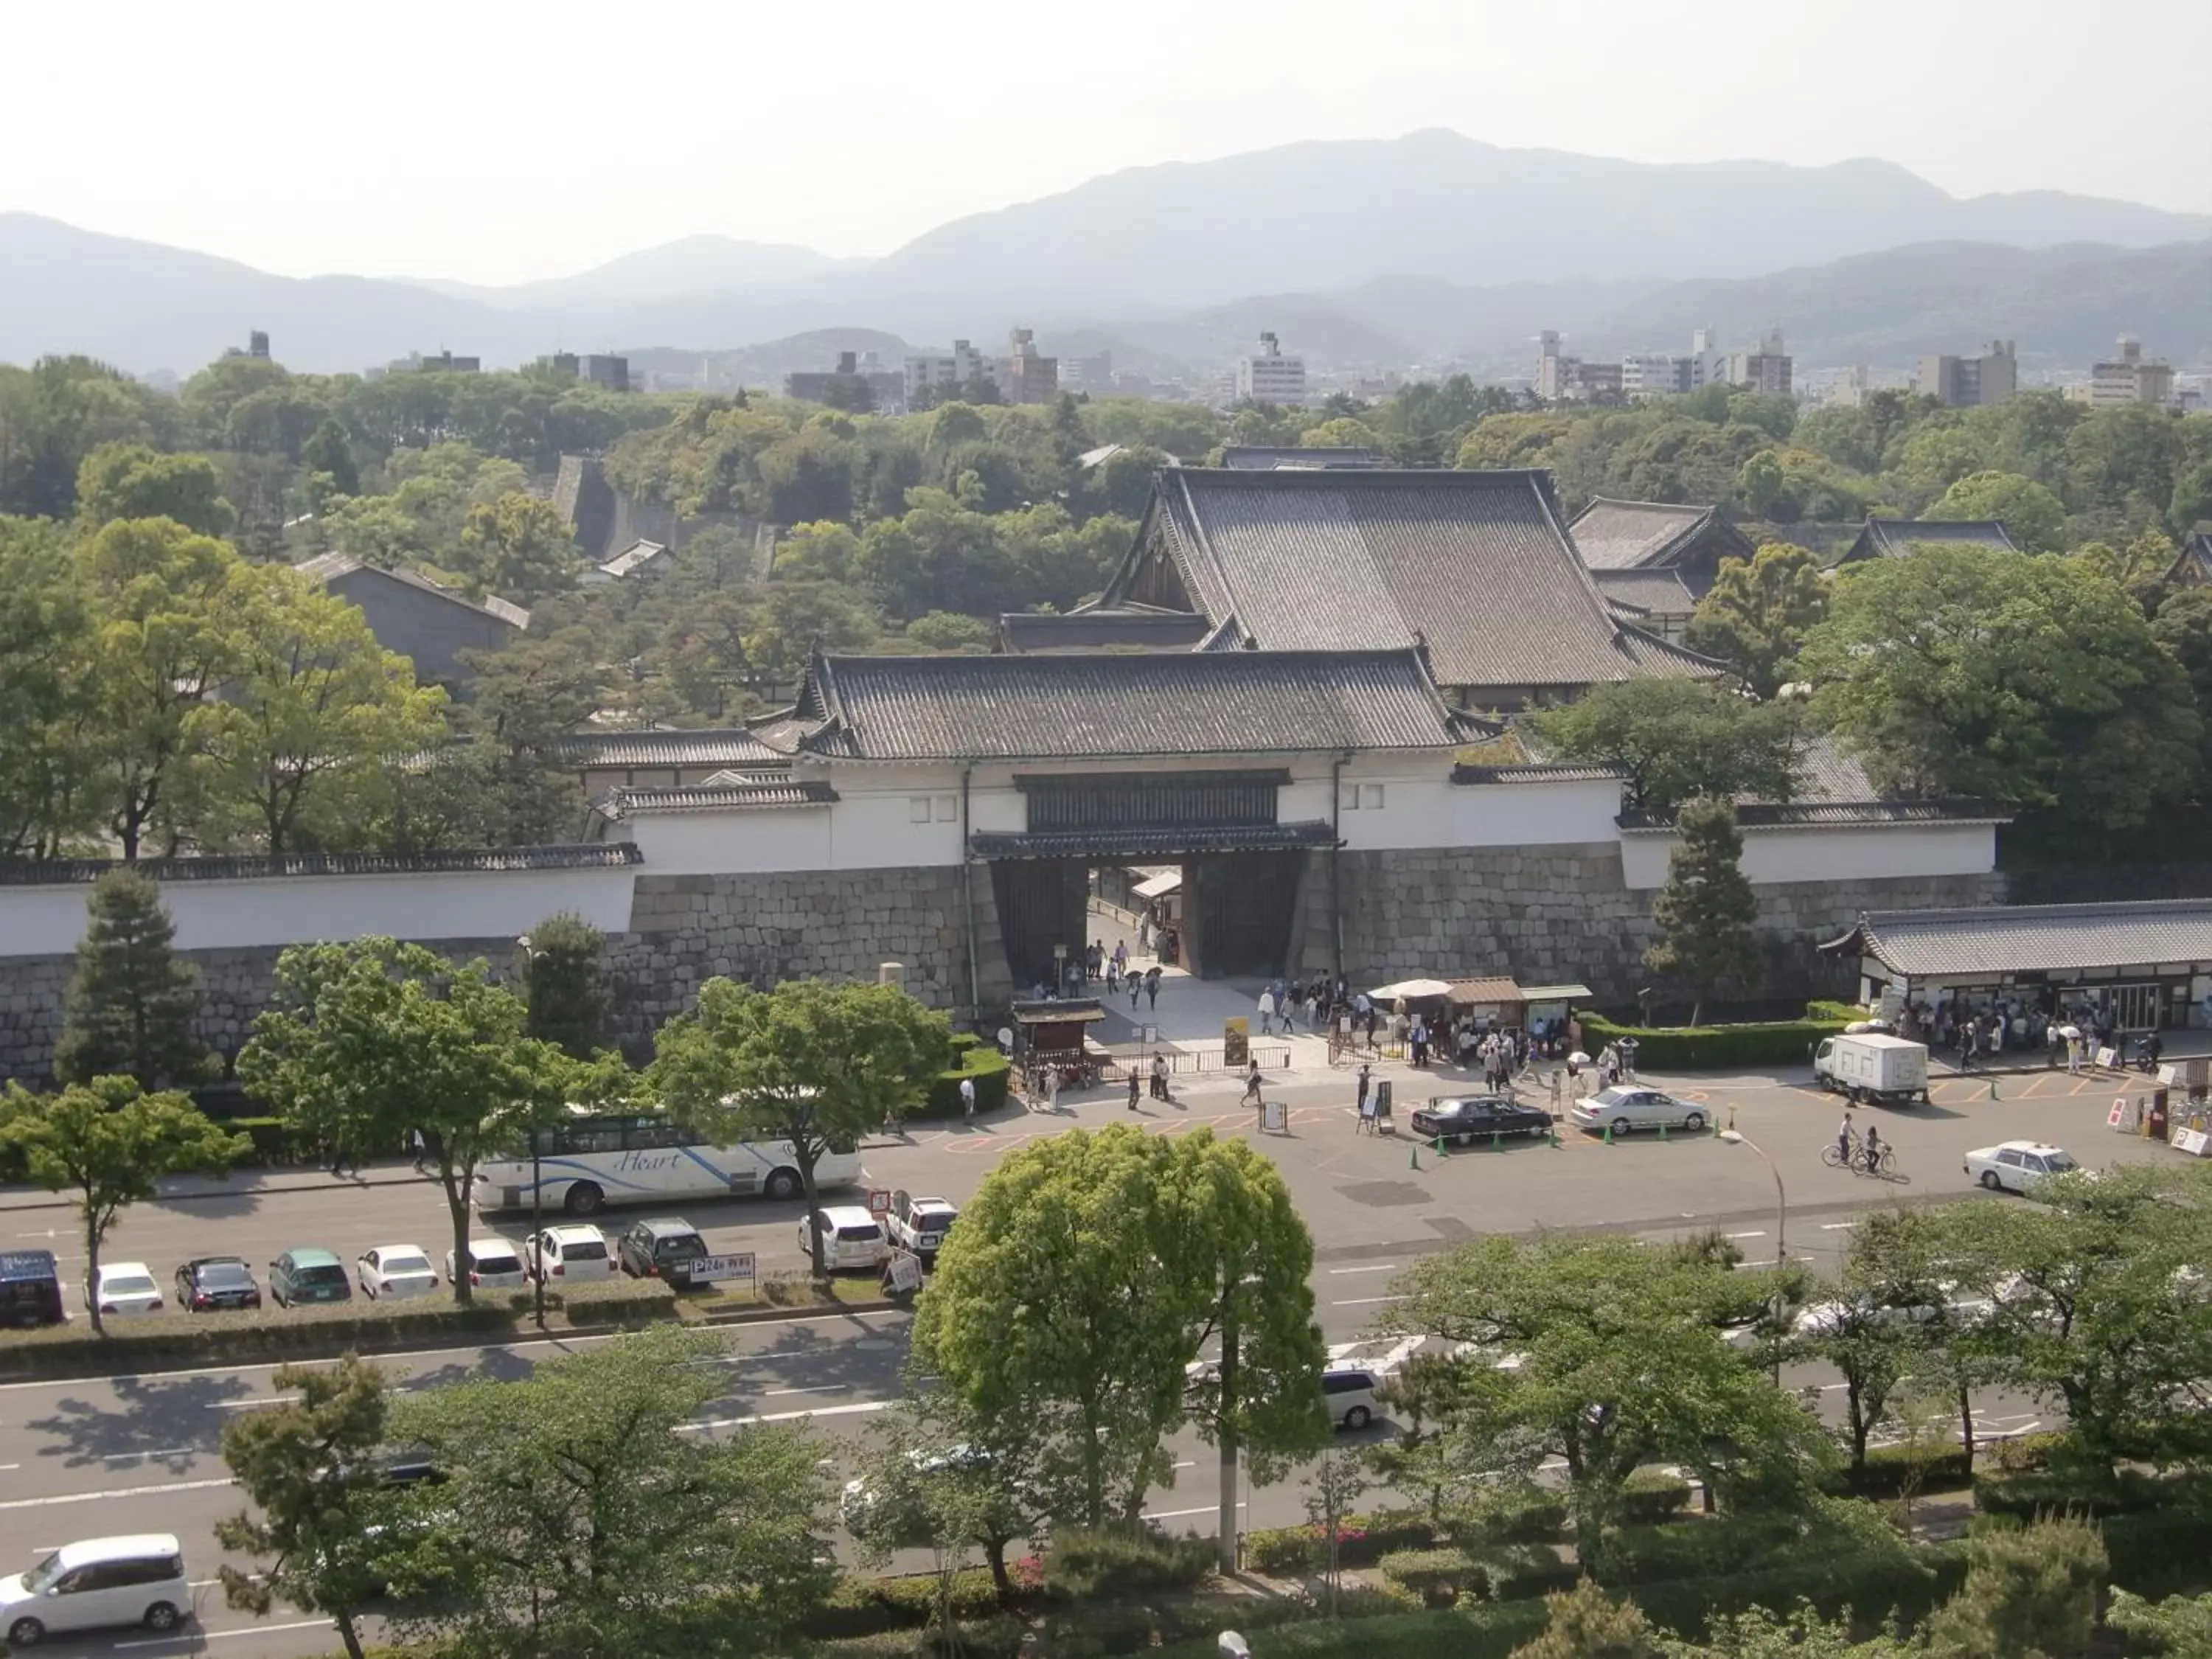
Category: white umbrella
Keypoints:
(1414, 989)
(2069, 1032)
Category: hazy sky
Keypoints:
(499, 142)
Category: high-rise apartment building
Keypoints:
(1970, 382)
(1269, 377)
(1766, 369)
(1025, 377)
(2129, 378)
(929, 379)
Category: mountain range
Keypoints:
(1432, 245)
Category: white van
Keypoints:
(96, 1584)
(852, 1239)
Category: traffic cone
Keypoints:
(1556, 1141)
(1413, 1154)
(1663, 1132)
(1439, 1148)
(1608, 1135)
(1496, 1140)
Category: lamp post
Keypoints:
(1737, 1137)
(524, 955)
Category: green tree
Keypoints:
(947, 632)
(1761, 482)
(1706, 911)
(48, 801)
(2035, 517)
(2183, 627)
(1872, 1323)
(563, 984)
(939, 1479)
(163, 644)
(308, 1464)
(364, 1042)
(811, 1064)
(1587, 1623)
(1622, 1362)
(1755, 1633)
(1343, 432)
(2180, 1625)
(2030, 1593)
(1674, 739)
(135, 481)
(132, 999)
(313, 711)
(602, 1523)
(329, 451)
(2021, 680)
(108, 1146)
(527, 701)
(519, 547)
(2140, 567)
(1755, 616)
(55, 413)
(1061, 1311)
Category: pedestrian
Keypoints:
(1160, 1076)
(340, 1158)
(1132, 1091)
(1113, 974)
(1120, 956)
(421, 1152)
(1094, 960)
(967, 1100)
(1136, 989)
(1418, 1036)
(1151, 989)
(1366, 1078)
(1052, 1088)
(1843, 1138)
(1252, 1083)
(1267, 1013)
(2074, 1047)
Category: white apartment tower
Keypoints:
(1269, 376)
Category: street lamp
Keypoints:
(525, 954)
(1737, 1137)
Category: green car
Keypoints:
(308, 1275)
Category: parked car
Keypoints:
(397, 1271)
(30, 1289)
(492, 1264)
(577, 1250)
(2018, 1166)
(852, 1239)
(1628, 1106)
(1463, 1119)
(213, 1282)
(863, 1509)
(97, 1585)
(1354, 1375)
(308, 1275)
(124, 1287)
(920, 1224)
(662, 1247)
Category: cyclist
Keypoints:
(1843, 1138)
(1874, 1150)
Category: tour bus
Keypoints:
(599, 1158)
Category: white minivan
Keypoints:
(97, 1584)
(853, 1241)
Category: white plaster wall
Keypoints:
(740, 842)
(871, 830)
(1534, 814)
(1838, 854)
(303, 910)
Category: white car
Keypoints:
(853, 1241)
(574, 1251)
(2018, 1166)
(124, 1287)
(494, 1264)
(1627, 1106)
(397, 1271)
(96, 1585)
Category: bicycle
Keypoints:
(1836, 1158)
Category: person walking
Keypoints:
(1844, 1137)
(341, 1159)
(1113, 974)
(1132, 1091)
(1160, 1078)
(967, 1100)
(1136, 989)
(1267, 1013)
(1417, 1037)
(1120, 957)
(1153, 989)
(1252, 1083)
(421, 1152)
(1359, 1100)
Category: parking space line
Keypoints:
(199, 1635)
(1379, 1267)
(1363, 1301)
(117, 1492)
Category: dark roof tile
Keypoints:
(461, 860)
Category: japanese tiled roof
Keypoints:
(1656, 591)
(2038, 938)
(1132, 627)
(1257, 457)
(1893, 539)
(1474, 566)
(1101, 707)
(326, 568)
(459, 860)
(1633, 535)
(725, 746)
(726, 791)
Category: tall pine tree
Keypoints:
(132, 1002)
(1706, 910)
(562, 983)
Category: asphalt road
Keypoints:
(88, 1458)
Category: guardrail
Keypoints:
(1113, 1065)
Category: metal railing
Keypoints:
(1114, 1064)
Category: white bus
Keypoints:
(596, 1159)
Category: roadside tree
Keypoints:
(1755, 616)
(1675, 739)
(307, 1464)
(1878, 1319)
(1704, 912)
(939, 1478)
(109, 1146)
(811, 1064)
(602, 1521)
(366, 1042)
(132, 1000)
(1622, 1362)
(563, 984)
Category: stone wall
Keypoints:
(1563, 914)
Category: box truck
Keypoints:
(1873, 1066)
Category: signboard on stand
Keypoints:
(1236, 1043)
(721, 1269)
(1275, 1117)
(2122, 1117)
(906, 1273)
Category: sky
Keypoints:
(491, 142)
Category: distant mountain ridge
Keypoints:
(1432, 245)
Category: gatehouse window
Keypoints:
(917, 809)
(948, 809)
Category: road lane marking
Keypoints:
(816, 1388)
(1174, 1515)
(784, 1417)
(1362, 1301)
(1379, 1267)
(117, 1492)
(1760, 1233)
(199, 1635)
(1837, 1226)
(172, 1451)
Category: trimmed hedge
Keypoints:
(2160, 1553)
(1889, 1468)
(973, 1058)
(1870, 1582)
(2124, 1492)
(1701, 1047)
(1850, 1013)
(862, 1606)
(1362, 1541)
(1484, 1632)
(1438, 1577)
(1649, 1498)
(279, 1333)
(1084, 1565)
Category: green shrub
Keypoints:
(1651, 1496)
(1848, 1013)
(1535, 1516)
(1693, 1047)
(1889, 1468)
(1483, 1631)
(1533, 1572)
(2160, 1553)
(1362, 1540)
(1438, 1577)
(2126, 1491)
(1084, 1565)
(1870, 1582)
(861, 1606)
(973, 1058)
